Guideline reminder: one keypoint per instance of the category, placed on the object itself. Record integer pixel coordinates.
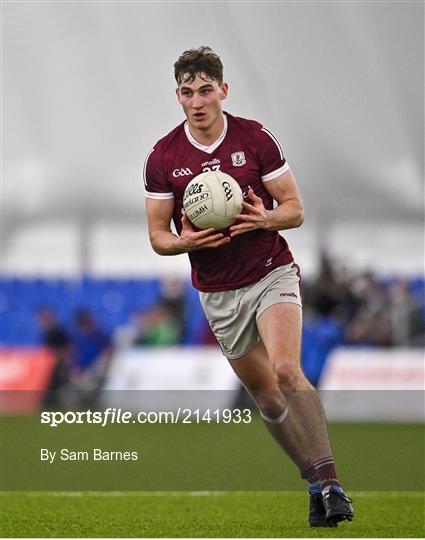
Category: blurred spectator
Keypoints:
(405, 314)
(370, 313)
(55, 338)
(330, 294)
(158, 328)
(91, 354)
(155, 327)
(371, 323)
(161, 325)
(126, 336)
(173, 299)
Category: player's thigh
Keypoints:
(280, 327)
(257, 374)
(254, 369)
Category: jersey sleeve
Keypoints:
(154, 178)
(273, 162)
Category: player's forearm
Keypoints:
(287, 215)
(166, 243)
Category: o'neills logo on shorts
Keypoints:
(291, 294)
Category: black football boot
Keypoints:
(317, 512)
(337, 506)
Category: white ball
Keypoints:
(212, 199)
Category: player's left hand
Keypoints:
(256, 216)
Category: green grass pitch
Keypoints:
(201, 514)
(201, 480)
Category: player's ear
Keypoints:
(224, 89)
(178, 94)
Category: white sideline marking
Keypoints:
(360, 494)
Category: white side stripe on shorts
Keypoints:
(277, 420)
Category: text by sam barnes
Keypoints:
(95, 454)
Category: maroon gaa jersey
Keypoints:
(252, 156)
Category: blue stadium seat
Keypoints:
(319, 339)
(113, 301)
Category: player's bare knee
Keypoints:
(289, 377)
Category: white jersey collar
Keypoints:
(208, 149)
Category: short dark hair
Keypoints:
(195, 61)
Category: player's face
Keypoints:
(201, 101)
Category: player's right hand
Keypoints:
(192, 240)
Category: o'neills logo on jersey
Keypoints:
(214, 161)
(238, 159)
(182, 172)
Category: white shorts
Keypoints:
(233, 314)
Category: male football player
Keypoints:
(248, 281)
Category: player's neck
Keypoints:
(208, 136)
